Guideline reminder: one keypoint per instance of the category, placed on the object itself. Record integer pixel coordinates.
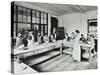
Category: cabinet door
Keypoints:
(60, 33)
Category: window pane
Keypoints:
(45, 28)
(45, 15)
(24, 9)
(24, 12)
(37, 14)
(20, 26)
(33, 13)
(41, 27)
(41, 20)
(28, 12)
(19, 8)
(33, 20)
(28, 18)
(37, 20)
(24, 15)
(24, 18)
(20, 14)
(41, 15)
(23, 25)
(19, 17)
(28, 26)
(45, 21)
(36, 26)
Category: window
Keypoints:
(92, 27)
(20, 13)
(29, 18)
(44, 23)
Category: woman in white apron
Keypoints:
(76, 49)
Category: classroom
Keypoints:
(49, 37)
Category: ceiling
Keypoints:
(60, 9)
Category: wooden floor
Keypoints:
(50, 62)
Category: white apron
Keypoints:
(76, 49)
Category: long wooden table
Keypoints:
(89, 46)
(36, 49)
(68, 44)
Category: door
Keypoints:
(54, 23)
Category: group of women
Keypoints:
(28, 38)
(78, 39)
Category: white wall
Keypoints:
(71, 22)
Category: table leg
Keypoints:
(61, 50)
(90, 56)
